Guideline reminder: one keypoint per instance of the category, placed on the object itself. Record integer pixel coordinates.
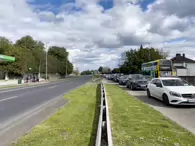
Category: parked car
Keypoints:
(116, 77)
(140, 83)
(172, 90)
(148, 78)
(123, 79)
(133, 77)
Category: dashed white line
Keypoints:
(52, 87)
(8, 98)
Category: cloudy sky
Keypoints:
(96, 32)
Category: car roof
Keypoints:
(168, 78)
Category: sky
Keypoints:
(96, 32)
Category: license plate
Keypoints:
(191, 100)
(143, 85)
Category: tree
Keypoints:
(116, 70)
(133, 59)
(62, 55)
(87, 72)
(30, 53)
(100, 69)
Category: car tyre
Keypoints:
(165, 99)
(148, 93)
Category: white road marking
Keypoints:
(52, 87)
(8, 98)
(31, 86)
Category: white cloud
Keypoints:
(95, 36)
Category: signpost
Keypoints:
(4, 58)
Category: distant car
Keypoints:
(172, 90)
(139, 84)
(117, 77)
(123, 79)
(147, 77)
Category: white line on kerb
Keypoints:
(52, 87)
(8, 98)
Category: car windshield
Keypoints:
(174, 82)
(141, 82)
(148, 78)
(137, 76)
(124, 76)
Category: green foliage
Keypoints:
(87, 72)
(30, 53)
(100, 69)
(62, 56)
(133, 58)
(116, 70)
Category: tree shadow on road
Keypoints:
(96, 116)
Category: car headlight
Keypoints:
(175, 94)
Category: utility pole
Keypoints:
(66, 65)
(46, 62)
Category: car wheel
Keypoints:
(148, 93)
(165, 99)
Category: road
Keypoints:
(19, 102)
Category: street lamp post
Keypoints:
(66, 66)
(46, 62)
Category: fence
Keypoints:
(104, 135)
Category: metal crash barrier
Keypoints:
(104, 134)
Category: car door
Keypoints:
(129, 80)
(152, 88)
(158, 89)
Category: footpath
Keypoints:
(14, 83)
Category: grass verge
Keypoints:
(74, 124)
(136, 124)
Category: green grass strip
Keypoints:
(137, 124)
(73, 125)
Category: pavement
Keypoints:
(183, 115)
(18, 104)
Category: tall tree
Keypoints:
(134, 58)
(62, 55)
(100, 69)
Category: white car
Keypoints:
(171, 90)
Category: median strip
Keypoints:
(74, 124)
(135, 123)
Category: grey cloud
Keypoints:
(130, 40)
(180, 8)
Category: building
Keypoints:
(183, 66)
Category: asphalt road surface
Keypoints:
(18, 102)
(183, 115)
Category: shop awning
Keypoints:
(4, 58)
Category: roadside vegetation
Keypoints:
(136, 124)
(30, 57)
(73, 125)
